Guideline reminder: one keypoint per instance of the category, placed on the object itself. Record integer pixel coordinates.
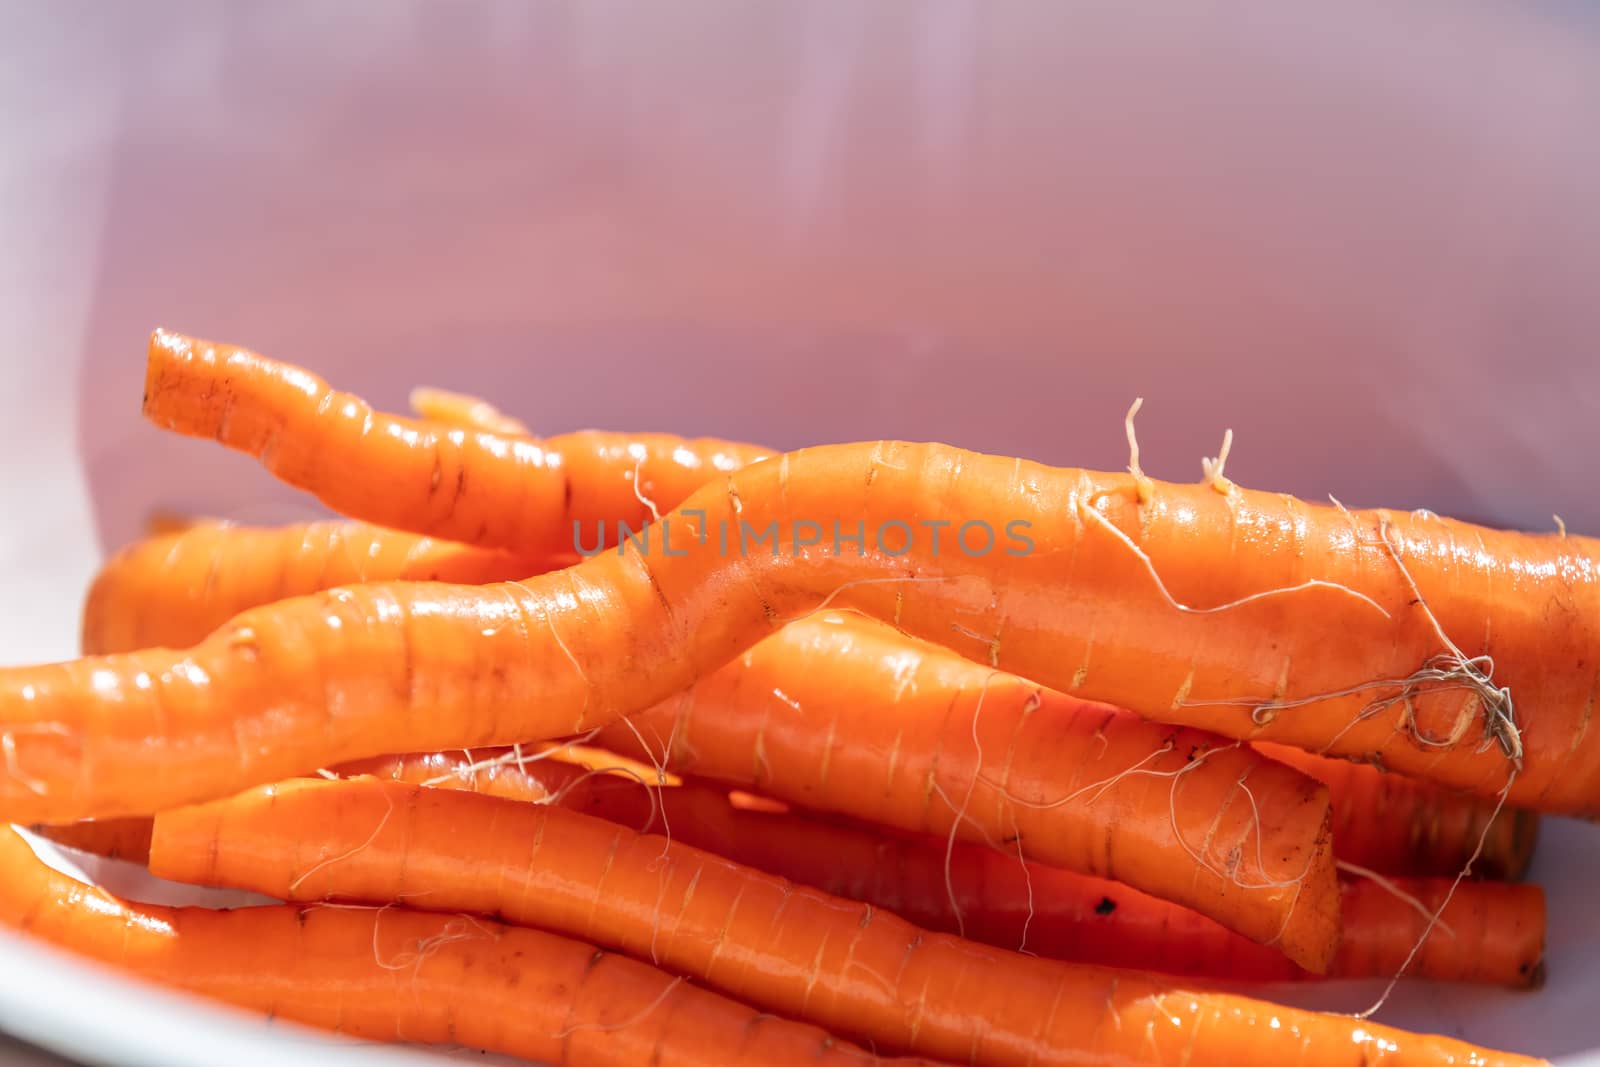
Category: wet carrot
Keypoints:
(394, 974)
(461, 483)
(463, 409)
(1308, 625)
(311, 679)
(1492, 933)
(842, 714)
(126, 839)
(1398, 825)
(861, 971)
(174, 589)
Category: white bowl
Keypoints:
(1364, 237)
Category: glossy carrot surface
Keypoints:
(860, 971)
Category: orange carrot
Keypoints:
(394, 974)
(462, 409)
(1248, 613)
(840, 714)
(1079, 612)
(466, 484)
(1398, 825)
(1492, 933)
(175, 589)
(126, 839)
(855, 969)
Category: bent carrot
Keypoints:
(1361, 633)
(463, 409)
(393, 974)
(1358, 633)
(465, 484)
(395, 667)
(842, 714)
(174, 589)
(1492, 932)
(861, 971)
(1398, 825)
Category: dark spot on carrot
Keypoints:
(594, 961)
(1011, 840)
(461, 482)
(1105, 907)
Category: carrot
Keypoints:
(857, 970)
(1080, 612)
(844, 715)
(465, 484)
(393, 974)
(1492, 933)
(126, 839)
(461, 409)
(176, 588)
(1397, 825)
(1247, 613)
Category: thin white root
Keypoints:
(961, 813)
(1475, 673)
(643, 1014)
(1027, 882)
(661, 780)
(452, 931)
(638, 466)
(516, 757)
(1393, 890)
(657, 808)
(1255, 813)
(1144, 484)
(1161, 586)
(1211, 468)
(331, 860)
(1095, 790)
(1561, 526)
(1435, 916)
(1447, 670)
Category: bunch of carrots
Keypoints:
(627, 801)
